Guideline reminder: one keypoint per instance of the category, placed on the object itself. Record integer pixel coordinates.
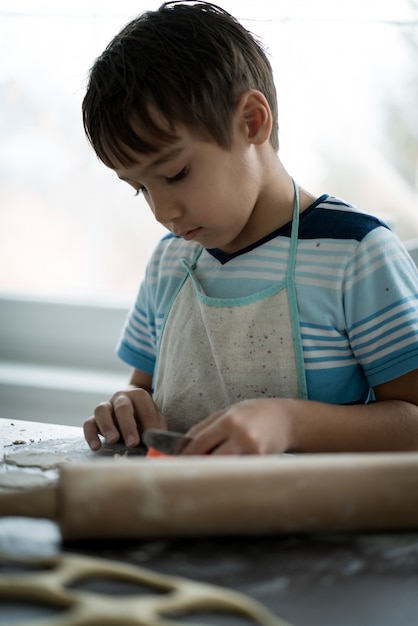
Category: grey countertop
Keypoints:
(335, 579)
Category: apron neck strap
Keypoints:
(295, 232)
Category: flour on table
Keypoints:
(36, 458)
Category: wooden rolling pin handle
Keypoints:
(37, 502)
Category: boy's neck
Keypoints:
(273, 209)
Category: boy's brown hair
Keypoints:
(190, 62)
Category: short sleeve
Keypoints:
(381, 307)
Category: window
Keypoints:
(347, 78)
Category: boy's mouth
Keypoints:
(191, 234)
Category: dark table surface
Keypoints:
(344, 579)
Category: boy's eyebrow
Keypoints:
(162, 158)
(166, 156)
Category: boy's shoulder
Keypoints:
(166, 258)
(171, 245)
(330, 217)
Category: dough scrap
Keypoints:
(36, 458)
(19, 479)
(177, 597)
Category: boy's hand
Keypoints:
(127, 414)
(249, 427)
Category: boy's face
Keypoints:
(200, 191)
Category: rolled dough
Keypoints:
(36, 458)
(177, 596)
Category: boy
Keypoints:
(269, 320)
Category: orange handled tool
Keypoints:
(154, 453)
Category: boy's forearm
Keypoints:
(378, 426)
(140, 380)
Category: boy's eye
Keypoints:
(169, 179)
(177, 177)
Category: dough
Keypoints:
(173, 596)
(19, 479)
(37, 458)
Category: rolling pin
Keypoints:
(184, 496)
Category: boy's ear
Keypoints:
(255, 114)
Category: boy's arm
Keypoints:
(390, 423)
(126, 414)
(277, 425)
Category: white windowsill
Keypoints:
(57, 359)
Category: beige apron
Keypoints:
(214, 352)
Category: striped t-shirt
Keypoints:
(357, 294)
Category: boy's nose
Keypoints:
(165, 209)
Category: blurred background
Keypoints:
(74, 240)
(347, 81)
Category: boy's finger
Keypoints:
(149, 414)
(206, 441)
(103, 417)
(200, 427)
(91, 434)
(125, 418)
